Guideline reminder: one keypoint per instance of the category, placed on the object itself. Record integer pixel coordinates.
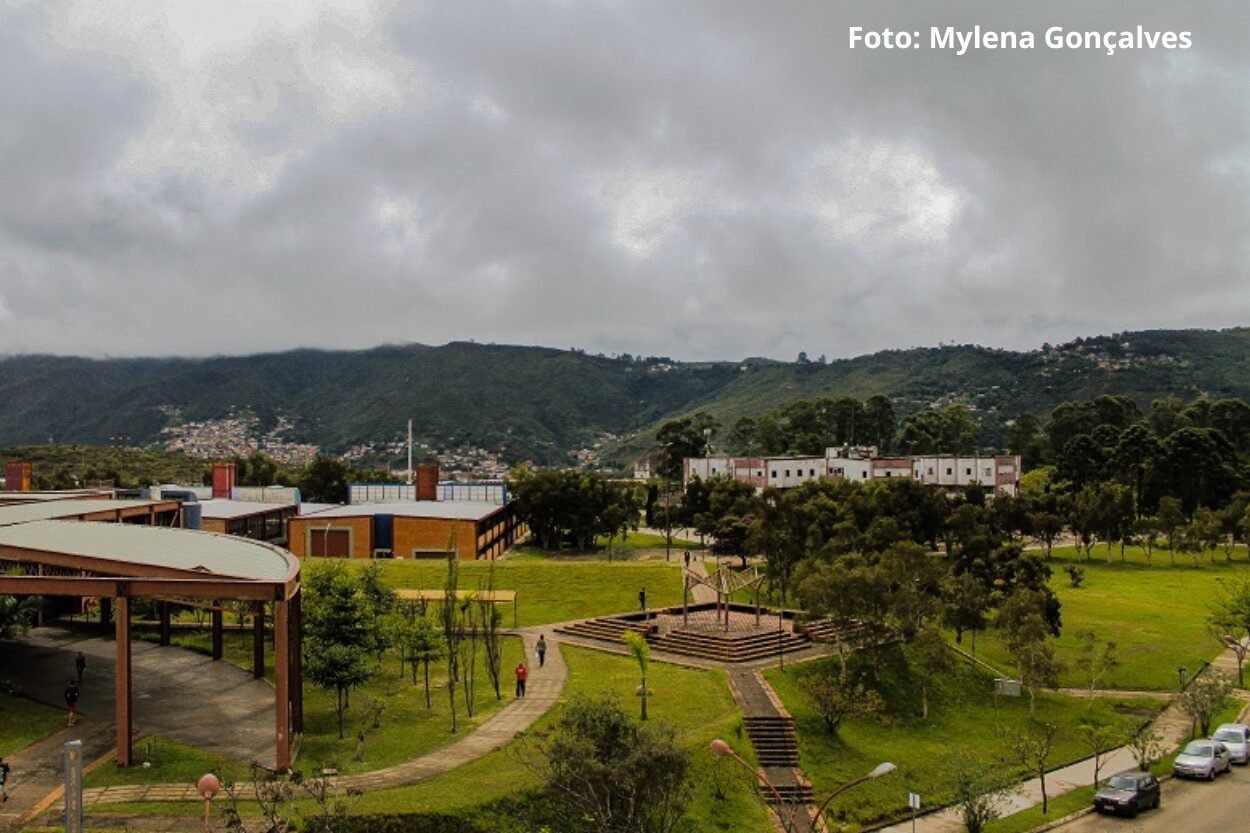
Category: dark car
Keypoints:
(1128, 792)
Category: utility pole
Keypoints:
(410, 451)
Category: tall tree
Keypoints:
(340, 634)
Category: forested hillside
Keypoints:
(541, 404)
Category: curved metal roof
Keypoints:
(20, 513)
(154, 547)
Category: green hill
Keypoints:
(539, 403)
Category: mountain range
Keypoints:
(543, 404)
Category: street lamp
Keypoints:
(724, 750)
(719, 747)
(884, 768)
(208, 787)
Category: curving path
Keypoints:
(544, 688)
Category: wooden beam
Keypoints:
(125, 705)
(164, 612)
(216, 588)
(258, 640)
(217, 620)
(282, 684)
(297, 663)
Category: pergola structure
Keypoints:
(725, 581)
(119, 562)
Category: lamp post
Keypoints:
(724, 750)
(208, 787)
(880, 769)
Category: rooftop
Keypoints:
(201, 553)
(20, 513)
(220, 508)
(455, 510)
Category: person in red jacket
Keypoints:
(522, 674)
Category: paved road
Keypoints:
(1186, 805)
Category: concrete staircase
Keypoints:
(730, 647)
(605, 629)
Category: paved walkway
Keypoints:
(178, 694)
(37, 779)
(543, 691)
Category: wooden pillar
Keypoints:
(258, 640)
(282, 684)
(164, 613)
(297, 662)
(125, 704)
(217, 628)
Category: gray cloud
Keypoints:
(701, 179)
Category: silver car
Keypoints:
(1202, 759)
(1236, 736)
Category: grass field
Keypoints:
(1156, 615)
(22, 722)
(964, 719)
(549, 591)
(167, 762)
(407, 728)
(697, 703)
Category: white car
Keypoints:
(1236, 736)
(1202, 759)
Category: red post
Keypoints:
(124, 707)
(282, 684)
(258, 640)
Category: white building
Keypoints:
(999, 473)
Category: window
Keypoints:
(865, 475)
(812, 473)
(948, 472)
(773, 473)
(989, 472)
(889, 474)
(968, 472)
(931, 470)
(787, 472)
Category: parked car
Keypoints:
(1128, 793)
(1202, 759)
(1236, 736)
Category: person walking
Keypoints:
(80, 665)
(4, 777)
(71, 702)
(522, 674)
(541, 650)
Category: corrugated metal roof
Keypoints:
(222, 509)
(314, 508)
(24, 512)
(154, 546)
(444, 510)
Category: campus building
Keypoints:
(75, 550)
(999, 473)
(406, 529)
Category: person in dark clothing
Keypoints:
(4, 777)
(80, 665)
(642, 599)
(541, 650)
(71, 702)
(522, 674)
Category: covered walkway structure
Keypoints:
(122, 562)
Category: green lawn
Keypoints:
(22, 722)
(964, 719)
(407, 728)
(159, 760)
(631, 546)
(486, 792)
(549, 591)
(1157, 616)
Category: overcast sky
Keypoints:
(697, 179)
